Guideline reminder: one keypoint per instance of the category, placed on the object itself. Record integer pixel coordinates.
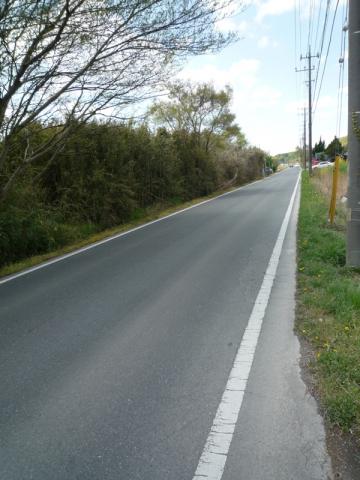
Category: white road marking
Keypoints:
(118, 235)
(213, 458)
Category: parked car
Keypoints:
(323, 164)
(268, 171)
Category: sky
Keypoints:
(269, 96)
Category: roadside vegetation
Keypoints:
(108, 174)
(328, 313)
(148, 214)
(74, 162)
(289, 157)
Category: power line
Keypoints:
(295, 33)
(325, 24)
(297, 49)
(299, 17)
(342, 69)
(327, 55)
(322, 42)
(311, 24)
(318, 22)
(311, 5)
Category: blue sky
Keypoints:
(268, 95)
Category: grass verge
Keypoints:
(328, 309)
(145, 216)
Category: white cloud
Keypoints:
(239, 74)
(295, 106)
(326, 102)
(273, 7)
(278, 7)
(265, 96)
(230, 25)
(263, 42)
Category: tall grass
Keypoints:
(323, 180)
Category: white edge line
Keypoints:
(213, 458)
(118, 235)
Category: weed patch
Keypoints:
(84, 235)
(328, 310)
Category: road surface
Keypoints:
(113, 362)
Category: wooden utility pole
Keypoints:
(353, 224)
(304, 165)
(310, 68)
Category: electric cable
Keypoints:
(327, 55)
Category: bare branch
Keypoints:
(91, 57)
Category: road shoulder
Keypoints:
(280, 433)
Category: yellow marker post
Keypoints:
(334, 190)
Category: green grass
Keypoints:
(328, 312)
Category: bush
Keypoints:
(104, 176)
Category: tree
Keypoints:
(334, 148)
(271, 162)
(199, 110)
(66, 60)
(319, 147)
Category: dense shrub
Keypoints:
(104, 176)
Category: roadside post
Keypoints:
(335, 180)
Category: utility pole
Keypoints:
(310, 112)
(353, 223)
(302, 136)
(305, 137)
(310, 68)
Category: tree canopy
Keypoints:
(334, 148)
(201, 110)
(73, 59)
(319, 146)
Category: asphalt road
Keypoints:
(113, 361)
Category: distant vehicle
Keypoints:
(323, 164)
(291, 165)
(268, 171)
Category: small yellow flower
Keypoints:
(346, 329)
